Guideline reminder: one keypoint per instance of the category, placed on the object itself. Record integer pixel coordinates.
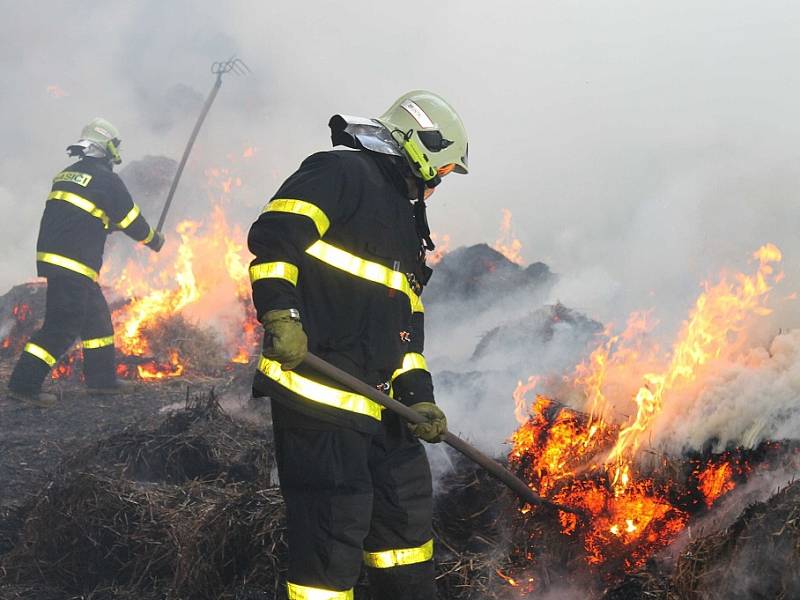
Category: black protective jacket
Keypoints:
(87, 202)
(339, 242)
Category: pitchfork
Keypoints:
(232, 65)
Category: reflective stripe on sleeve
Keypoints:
(302, 592)
(40, 353)
(149, 237)
(301, 207)
(129, 218)
(67, 263)
(98, 343)
(318, 392)
(82, 203)
(396, 558)
(274, 270)
(365, 269)
(411, 361)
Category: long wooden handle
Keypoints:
(206, 107)
(494, 468)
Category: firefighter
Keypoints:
(87, 202)
(339, 269)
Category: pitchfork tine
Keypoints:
(240, 68)
(233, 64)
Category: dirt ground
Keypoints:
(34, 441)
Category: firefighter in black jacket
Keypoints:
(339, 268)
(87, 202)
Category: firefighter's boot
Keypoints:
(32, 399)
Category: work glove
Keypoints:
(434, 429)
(157, 242)
(284, 338)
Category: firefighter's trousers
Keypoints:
(352, 499)
(75, 308)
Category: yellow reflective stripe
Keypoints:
(82, 203)
(98, 343)
(301, 207)
(81, 179)
(411, 361)
(318, 392)
(130, 217)
(150, 236)
(395, 558)
(40, 353)
(365, 269)
(274, 270)
(67, 263)
(302, 592)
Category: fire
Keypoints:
(20, 314)
(581, 458)
(151, 370)
(202, 276)
(714, 330)
(507, 244)
(716, 481)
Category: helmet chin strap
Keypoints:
(421, 217)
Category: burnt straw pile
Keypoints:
(189, 509)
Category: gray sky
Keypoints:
(641, 146)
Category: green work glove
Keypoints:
(435, 428)
(284, 340)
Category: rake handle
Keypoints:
(190, 144)
(494, 468)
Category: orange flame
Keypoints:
(715, 481)
(720, 313)
(581, 459)
(507, 244)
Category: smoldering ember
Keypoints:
(171, 490)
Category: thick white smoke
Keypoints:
(747, 402)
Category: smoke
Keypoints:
(640, 147)
(745, 403)
(637, 149)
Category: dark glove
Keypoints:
(157, 242)
(436, 426)
(284, 339)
